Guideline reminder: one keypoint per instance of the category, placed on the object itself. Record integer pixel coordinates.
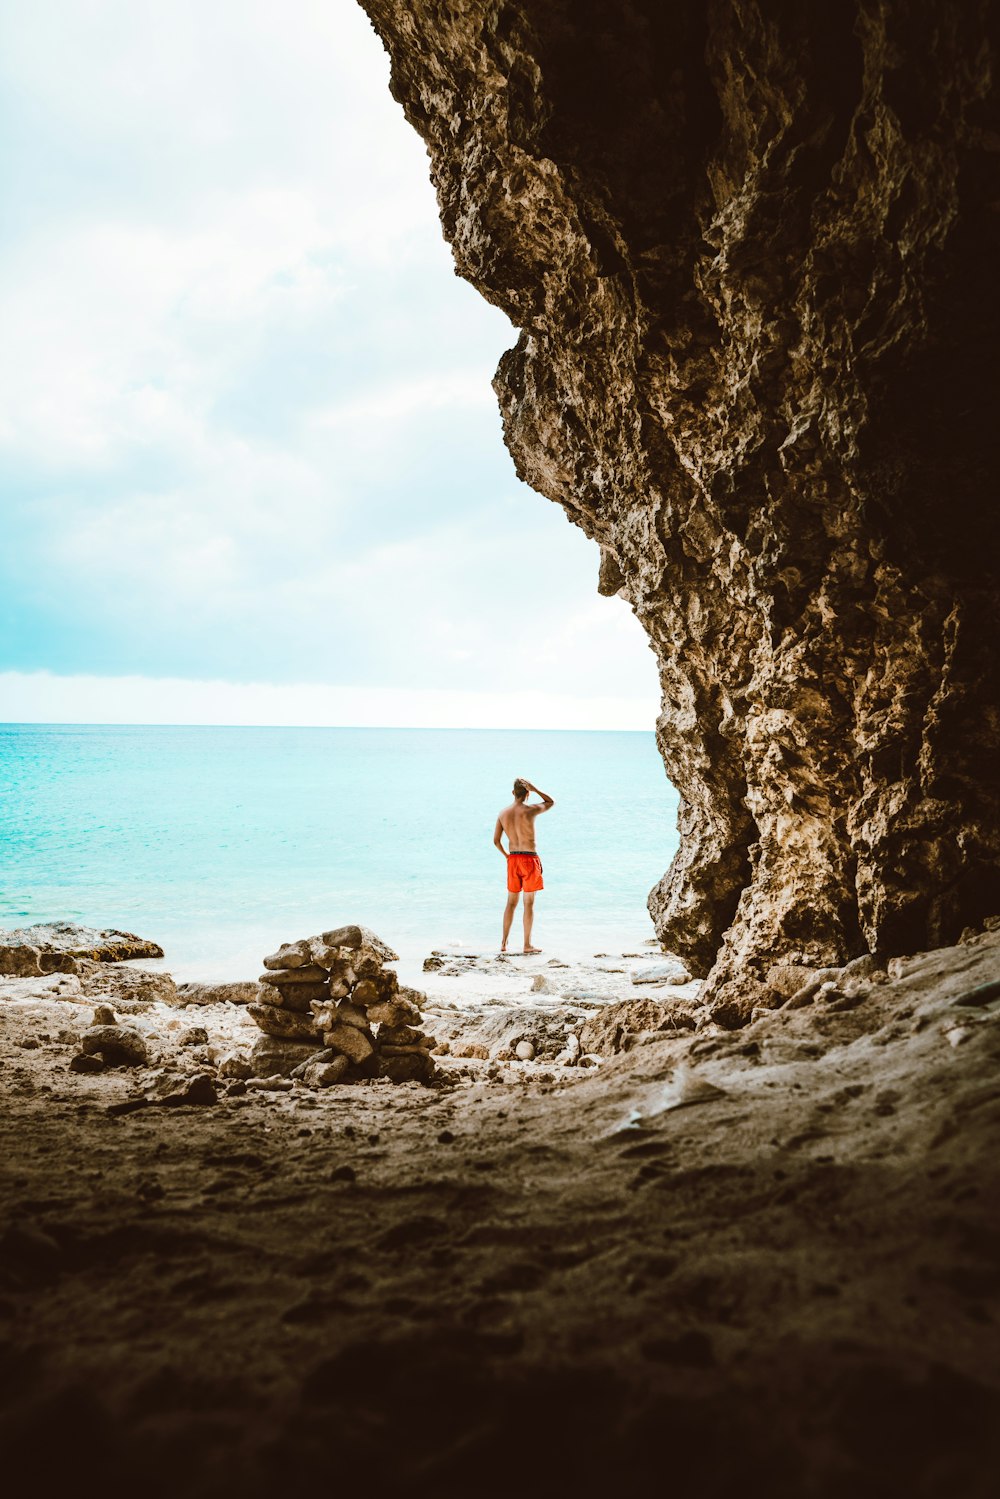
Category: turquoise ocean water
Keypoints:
(220, 842)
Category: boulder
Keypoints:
(118, 1045)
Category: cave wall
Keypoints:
(753, 249)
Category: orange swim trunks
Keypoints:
(524, 872)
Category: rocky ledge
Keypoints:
(62, 947)
(751, 249)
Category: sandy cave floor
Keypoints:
(789, 1286)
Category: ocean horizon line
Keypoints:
(67, 723)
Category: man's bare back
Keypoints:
(524, 868)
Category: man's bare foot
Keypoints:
(529, 952)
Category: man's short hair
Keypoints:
(520, 789)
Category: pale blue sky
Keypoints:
(247, 434)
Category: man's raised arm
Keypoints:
(547, 800)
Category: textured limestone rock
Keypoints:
(123, 983)
(64, 937)
(751, 248)
(611, 1029)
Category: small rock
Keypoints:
(525, 1051)
(350, 1042)
(325, 1074)
(235, 1066)
(195, 1035)
(350, 1014)
(310, 973)
(365, 994)
(104, 1015)
(394, 1012)
(355, 936)
(291, 955)
(400, 1035)
(86, 1063)
(269, 1084)
(671, 971)
(197, 1090)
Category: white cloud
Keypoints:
(246, 421)
(41, 697)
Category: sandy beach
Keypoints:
(757, 1260)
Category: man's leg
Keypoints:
(508, 916)
(529, 916)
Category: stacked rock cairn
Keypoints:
(334, 992)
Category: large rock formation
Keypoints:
(752, 248)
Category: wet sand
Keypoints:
(758, 1261)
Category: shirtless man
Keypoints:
(524, 867)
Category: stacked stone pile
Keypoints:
(334, 992)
